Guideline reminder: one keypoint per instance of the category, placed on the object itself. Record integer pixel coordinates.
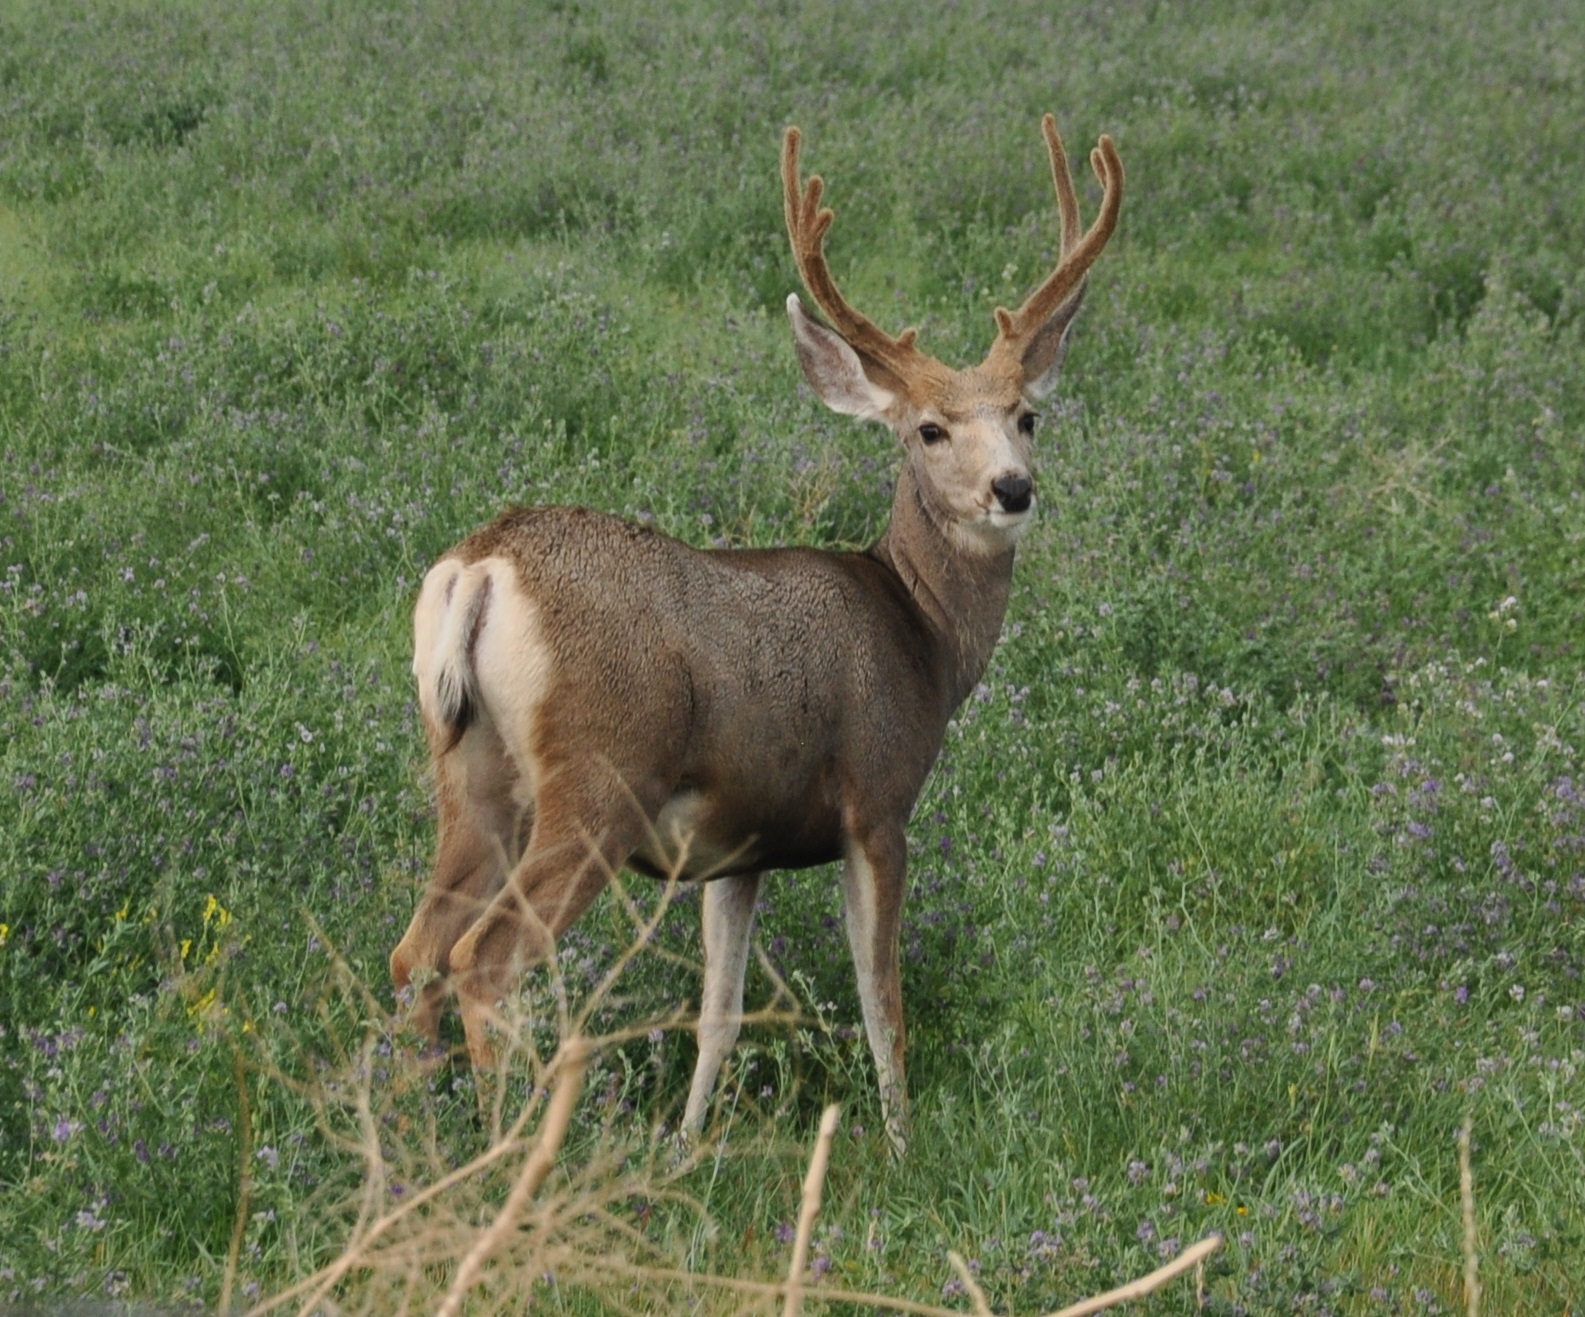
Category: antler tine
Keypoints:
(1078, 254)
(1062, 180)
(807, 223)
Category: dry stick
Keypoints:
(558, 1115)
(1191, 1257)
(415, 1270)
(370, 1228)
(1466, 1194)
(809, 1210)
(324, 1280)
(792, 1290)
(355, 1252)
(981, 1307)
(770, 1289)
(373, 1184)
(371, 1003)
(244, 1178)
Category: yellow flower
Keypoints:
(5, 934)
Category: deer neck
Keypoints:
(961, 592)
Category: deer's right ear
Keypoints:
(834, 369)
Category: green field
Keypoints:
(1255, 865)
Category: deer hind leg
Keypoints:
(873, 880)
(482, 832)
(581, 836)
(728, 918)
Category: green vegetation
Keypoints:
(1256, 863)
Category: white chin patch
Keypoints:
(1011, 523)
(993, 530)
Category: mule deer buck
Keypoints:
(596, 694)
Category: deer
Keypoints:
(596, 694)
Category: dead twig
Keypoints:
(813, 1182)
(1466, 1195)
(1190, 1258)
(1186, 1261)
(573, 1063)
(400, 1257)
(982, 1307)
(239, 1223)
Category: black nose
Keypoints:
(1014, 492)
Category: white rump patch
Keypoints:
(493, 658)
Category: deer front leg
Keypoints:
(873, 880)
(728, 919)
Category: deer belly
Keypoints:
(696, 837)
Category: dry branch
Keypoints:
(1190, 1258)
(573, 1063)
(813, 1182)
(442, 1249)
(982, 1307)
(1466, 1195)
(1186, 1261)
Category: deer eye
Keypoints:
(932, 433)
(1026, 423)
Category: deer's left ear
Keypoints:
(1048, 347)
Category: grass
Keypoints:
(1253, 868)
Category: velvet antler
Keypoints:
(1016, 328)
(807, 222)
